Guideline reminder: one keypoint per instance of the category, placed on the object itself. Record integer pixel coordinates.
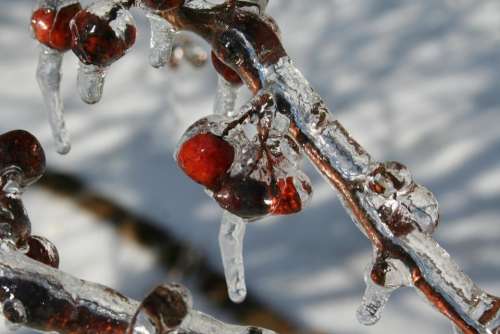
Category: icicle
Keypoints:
(49, 79)
(162, 40)
(373, 303)
(91, 82)
(232, 233)
(225, 99)
(382, 278)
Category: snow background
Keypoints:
(413, 81)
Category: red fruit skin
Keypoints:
(225, 71)
(51, 27)
(163, 4)
(206, 158)
(287, 201)
(42, 21)
(21, 149)
(95, 42)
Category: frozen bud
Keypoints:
(206, 159)
(225, 71)
(14, 311)
(20, 149)
(244, 197)
(15, 225)
(390, 178)
(423, 208)
(162, 4)
(102, 33)
(164, 308)
(42, 250)
(51, 25)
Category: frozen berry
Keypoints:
(225, 71)
(51, 26)
(102, 40)
(287, 200)
(44, 251)
(206, 158)
(244, 197)
(21, 149)
(163, 4)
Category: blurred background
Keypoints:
(413, 81)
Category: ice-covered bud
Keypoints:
(21, 150)
(423, 208)
(390, 178)
(51, 25)
(15, 226)
(102, 33)
(163, 309)
(15, 313)
(162, 4)
(244, 197)
(206, 159)
(42, 250)
(225, 71)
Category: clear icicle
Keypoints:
(91, 82)
(162, 40)
(232, 230)
(49, 80)
(232, 233)
(373, 303)
(225, 99)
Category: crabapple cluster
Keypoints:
(248, 173)
(99, 35)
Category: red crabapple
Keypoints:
(206, 158)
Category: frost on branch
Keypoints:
(248, 158)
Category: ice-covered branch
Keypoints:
(40, 297)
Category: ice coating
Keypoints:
(373, 303)
(90, 82)
(225, 98)
(49, 80)
(232, 228)
(198, 322)
(313, 118)
(231, 236)
(162, 40)
(65, 304)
